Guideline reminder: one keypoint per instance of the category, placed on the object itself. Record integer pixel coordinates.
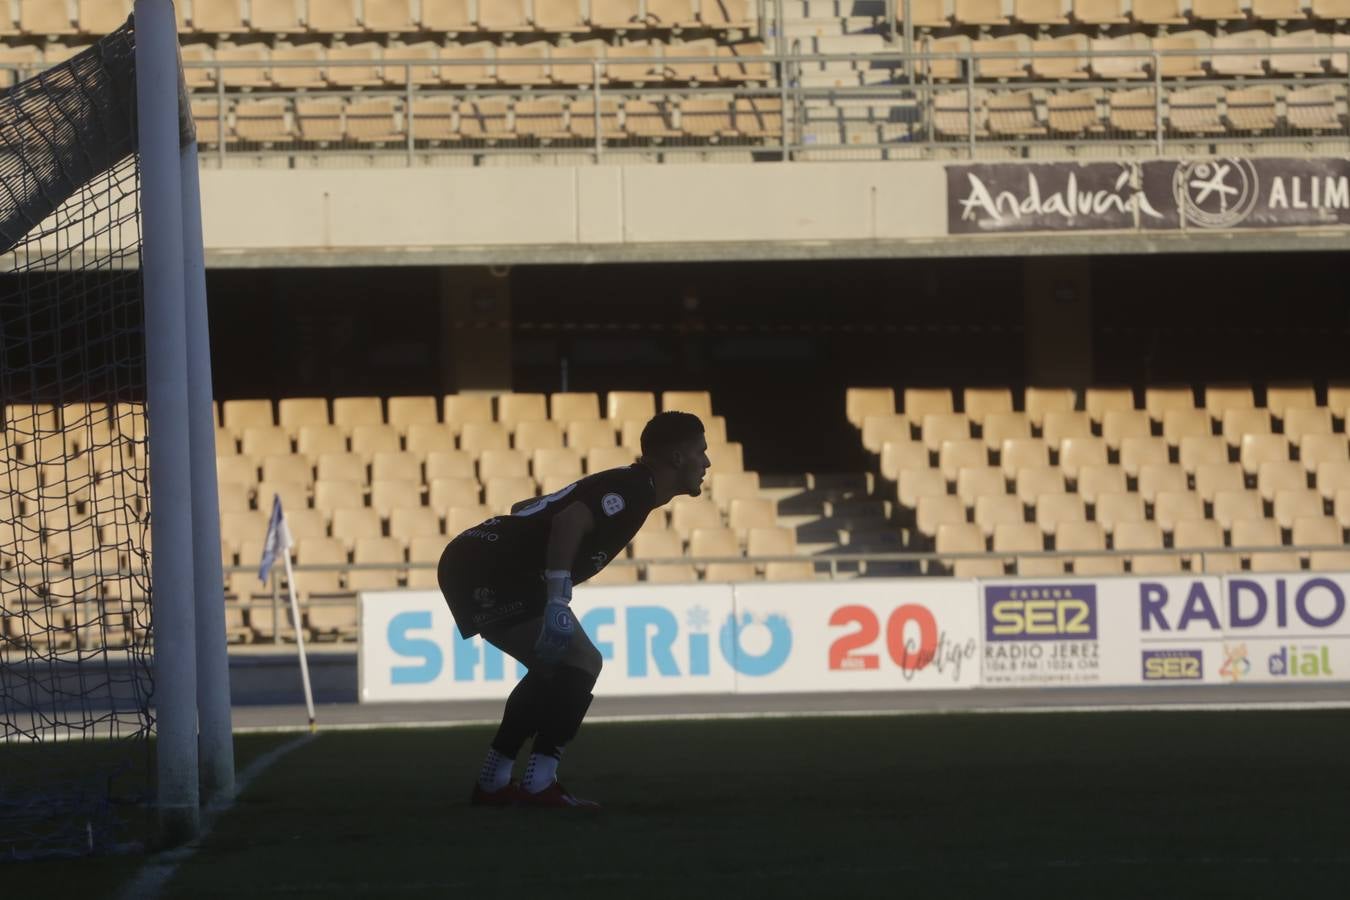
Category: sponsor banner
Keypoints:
(857, 636)
(654, 640)
(1179, 627)
(1285, 628)
(1205, 194)
(1058, 632)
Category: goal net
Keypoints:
(75, 622)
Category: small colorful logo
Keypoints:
(1235, 665)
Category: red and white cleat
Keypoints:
(555, 796)
(506, 796)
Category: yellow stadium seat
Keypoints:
(1041, 400)
(555, 462)
(1118, 424)
(499, 463)
(939, 427)
(879, 429)
(532, 435)
(1171, 507)
(1275, 476)
(622, 406)
(1100, 478)
(1264, 533)
(1098, 401)
(1258, 449)
(388, 495)
(368, 440)
(979, 481)
(980, 402)
(476, 437)
(423, 549)
(1280, 397)
(1332, 476)
(1113, 509)
(1297, 503)
(314, 441)
(599, 459)
(1135, 453)
(916, 483)
(424, 438)
(1238, 423)
(353, 411)
(405, 412)
(992, 511)
(396, 466)
(1210, 479)
(1076, 452)
(697, 402)
(1155, 478)
(1032, 481)
(934, 511)
(288, 468)
(727, 486)
(1205, 535)
(373, 551)
(341, 467)
(500, 494)
(1202, 450)
(297, 412)
(461, 409)
(900, 456)
(1081, 536)
(235, 469)
(1021, 453)
(449, 492)
(770, 540)
(1234, 506)
(513, 409)
(955, 455)
(920, 402)
(1001, 426)
(1137, 536)
(746, 513)
(1054, 509)
(265, 440)
(725, 457)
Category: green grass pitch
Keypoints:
(1074, 805)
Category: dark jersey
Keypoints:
(495, 569)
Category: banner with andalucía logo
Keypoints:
(1193, 195)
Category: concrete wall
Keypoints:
(619, 213)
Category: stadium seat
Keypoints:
(297, 77)
(1311, 63)
(1081, 536)
(1076, 452)
(725, 457)
(952, 114)
(1182, 423)
(1204, 535)
(877, 430)
(1027, 538)
(1075, 112)
(320, 119)
(1279, 10)
(1303, 421)
(45, 18)
(966, 538)
(746, 513)
(275, 16)
(1202, 450)
(727, 486)
(470, 65)
(1101, 12)
(1114, 508)
(1236, 423)
(1238, 65)
(584, 436)
(367, 440)
(1041, 12)
(1100, 478)
(352, 411)
(449, 464)
(770, 540)
(599, 459)
(1195, 110)
(937, 428)
(297, 412)
(388, 495)
(502, 463)
(235, 496)
(1234, 506)
(373, 551)
(1042, 400)
(454, 17)
(449, 492)
(1053, 509)
(916, 483)
(1263, 533)
(534, 435)
(1132, 66)
(920, 402)
(697, 402)
(1159, 399)
(1258, 449)
(527, 64)
(388, 16)
(506, 16)
(287, 468)
(581, 72)
(352, 522)
(1219, 10)
(1022, 452)
(979, 481)
(1033, 480)
(234, 469)
(1296, 503)
(461, 409)
(1161, 477)
(265, 440)
(994, 510)
(100, 17)
(476, 437)
(423, 438)
(500, 494)
(936, 510)
(714, 543)
(1280, 397)
(1177, 65)
(1210, 478)
(1118, 424)
(1316, 108)
(1219, 398)
(638, 405)
(959, 454)
(1000, 426)
(979, 403)
(802, 570)
(406, 523)
(314, 441)
(1326, 455)
(1275, 476)
(340, 467)
(319, 551)
(615, 574)
(1171, 507)
(238, 415)
(461, 518)
(1101, 400)
(947, 69)
(1142, 536)
(1161, 12)
(1058, 425)
(426, 549)
(993, 59)
(561, 16)
(556, 462)
(688, 513)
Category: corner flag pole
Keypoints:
(279, 542)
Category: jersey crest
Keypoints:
(612, 504)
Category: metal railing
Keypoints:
(766, 107)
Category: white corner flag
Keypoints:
(278, 543)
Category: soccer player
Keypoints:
(510, 579)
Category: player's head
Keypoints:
(674, 441)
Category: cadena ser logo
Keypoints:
(1065, 612)
(1173, 665)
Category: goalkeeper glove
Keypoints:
(559, 625)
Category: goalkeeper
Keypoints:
(510, 579)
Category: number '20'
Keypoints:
(842, 655)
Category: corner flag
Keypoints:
(278, 540)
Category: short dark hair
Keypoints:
(669, 428)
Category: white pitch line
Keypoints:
(157, 871)
(814, 714)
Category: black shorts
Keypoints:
(488, 590)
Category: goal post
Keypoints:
(112, 628)
(194, 747)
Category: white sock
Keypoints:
(496, 771)
(540, 772)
